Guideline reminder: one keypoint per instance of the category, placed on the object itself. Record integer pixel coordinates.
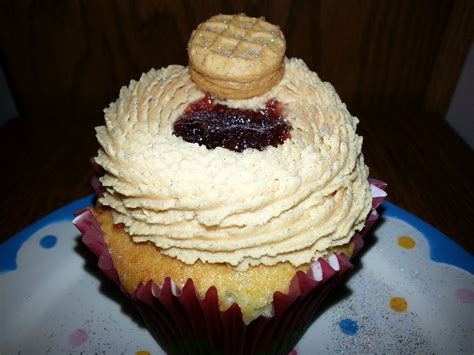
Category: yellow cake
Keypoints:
(252, 289)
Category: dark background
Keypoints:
(395, 64)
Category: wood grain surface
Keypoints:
(395, 64)
(77, 54)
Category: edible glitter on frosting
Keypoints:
(287, 203)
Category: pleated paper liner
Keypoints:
(183, 323)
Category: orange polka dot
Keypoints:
(398, 304)
(406, 242)
(141, 352)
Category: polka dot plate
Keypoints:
(412, 292)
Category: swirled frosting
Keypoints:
(287, 203)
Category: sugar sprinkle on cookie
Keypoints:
(236, 56)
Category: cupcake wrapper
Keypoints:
(183, 323)
(93, 238)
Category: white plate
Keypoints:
(54, 300)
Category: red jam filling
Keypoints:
(119, 225)
(215, 125)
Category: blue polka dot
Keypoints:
(48, 241)
(348, 326)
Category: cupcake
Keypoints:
(232, 193)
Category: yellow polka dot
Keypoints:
(141, 352)
(406, 242)
(398, 304)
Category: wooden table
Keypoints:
(430, 170)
